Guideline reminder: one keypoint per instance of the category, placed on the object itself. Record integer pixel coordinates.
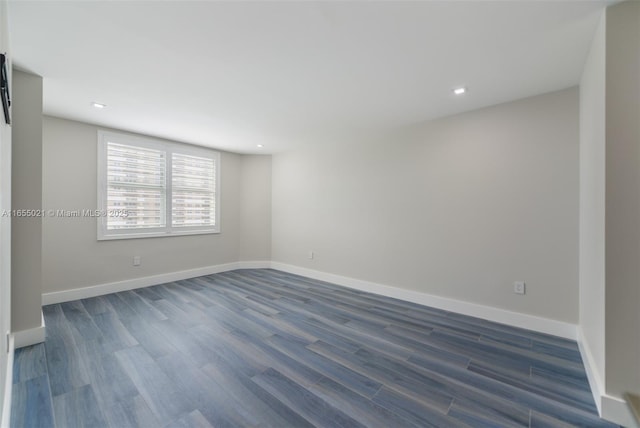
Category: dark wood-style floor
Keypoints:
(264, 348)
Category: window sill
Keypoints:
(138, 235)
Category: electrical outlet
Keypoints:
(310, 255)
(519, 287)
(136, 260)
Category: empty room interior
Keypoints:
(320, 213)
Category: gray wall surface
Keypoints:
(622, 205)
(459, 207)
(26, 232)
(72, 256)
(255, 208)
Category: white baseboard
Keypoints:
(595, 380)
(146, 281)
(30, 336)
(503, 316)
(610, 408)
(530, 322)
(8, 386)
(617, 410)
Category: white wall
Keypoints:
(459, 207)
(5, 230)
(592, 212)
(610, 211)
(73, 258)
(623, 199)
(26, 194)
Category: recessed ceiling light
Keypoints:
(460, 91)
(98, 105)
(259, 146)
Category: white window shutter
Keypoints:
(193, 183)
(150, 188)
(136, 183)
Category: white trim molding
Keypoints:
(595, 381)
(617, 410)
(30, 336)
(609, 407)
(8, 385)
(145, 281)
(503, 316)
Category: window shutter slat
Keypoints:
(136, 184)
(155, 188)
(193, 191)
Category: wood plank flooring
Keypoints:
(262, 348)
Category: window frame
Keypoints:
(104, 137)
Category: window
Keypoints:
(151, 188)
